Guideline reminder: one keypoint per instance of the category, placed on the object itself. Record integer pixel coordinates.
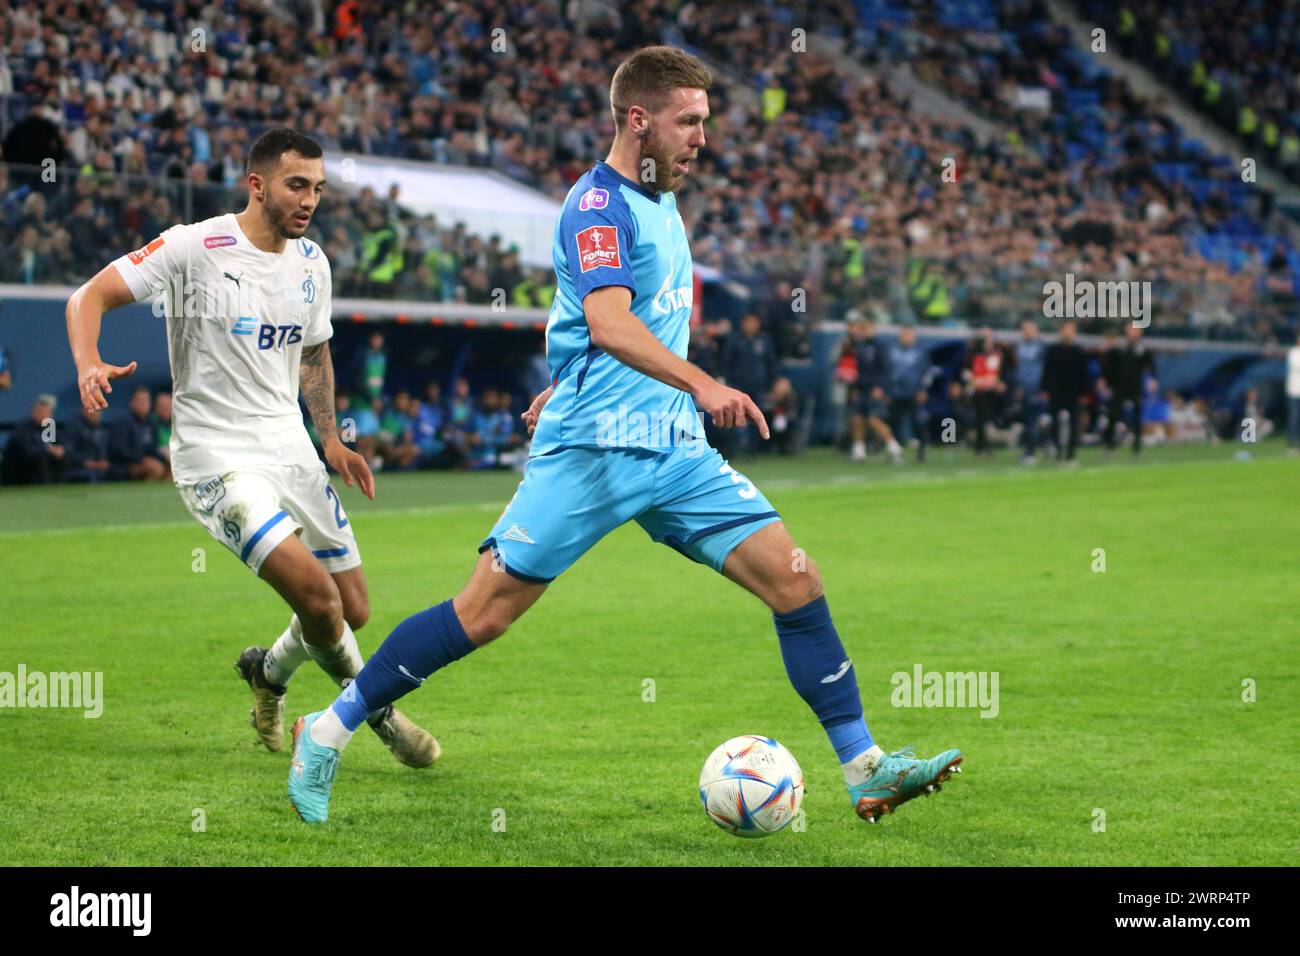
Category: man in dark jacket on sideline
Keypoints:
(1065, 380)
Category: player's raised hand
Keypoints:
(352, 467)
(730, 407)
(535, 410)
(93, 383)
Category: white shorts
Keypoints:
(251, 510)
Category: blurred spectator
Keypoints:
(33, 454)
(161, 420)
(497, 436)
(460, 431)
(370, 368)
(1251, 409)
(781, 409)
(749, 364)
(536, 375)
(397, 433)
(430, 426)
(871, 405)
(6, 376)
(132, 450)
(1029, 397)
(1065, 380)
(27, 259)
(984, 374)
(910, 374)
(1123, 369)
(87, 448)
(1155, 413)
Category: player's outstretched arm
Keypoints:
(106, 291)
(616, 330)
(316, 384)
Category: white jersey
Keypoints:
(237, 321)
(1293, 372)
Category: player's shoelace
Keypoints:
(899, 764)
(322, 771)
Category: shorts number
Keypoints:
(736, 478)
(338, 506)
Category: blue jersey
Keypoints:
(612, 231)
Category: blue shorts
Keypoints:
(687, 497)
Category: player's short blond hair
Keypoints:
(648, 77)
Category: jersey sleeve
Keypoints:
(598, 242)
(320, 327)
(149, 269)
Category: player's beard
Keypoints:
(659, 174)
(282, 221)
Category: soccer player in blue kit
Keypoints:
(617, 438)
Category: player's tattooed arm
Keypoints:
(316, 383)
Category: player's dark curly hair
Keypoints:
(274, 143)
(648, 76)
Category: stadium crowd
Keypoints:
(1236, 60)
(781, 201)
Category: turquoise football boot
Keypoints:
(898, 778)
(311, 772)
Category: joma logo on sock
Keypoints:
(76, 689)
(103, 909)
(946, 689)
(1085, 299)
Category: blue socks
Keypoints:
(823, 675)
(420, 645)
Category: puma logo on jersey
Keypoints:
(234, 279)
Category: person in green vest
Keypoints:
(524, 293)
(1268, 133)
(855, 258)
(774, 99)
(381, 253)
(546, 289)
(1213, 90)
(1127, 25)
(1247, 122)
(937, 308)
(444, 266)
(1289, 149)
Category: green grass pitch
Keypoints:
(1121, 692)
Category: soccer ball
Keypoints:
(751, 786)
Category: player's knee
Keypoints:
(320, 608)
(487, 625)
(357, 612)
(800, 587)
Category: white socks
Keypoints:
(328, 731)
(286, 655)
(859, 769)
(341, 661)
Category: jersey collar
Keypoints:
(613, 173)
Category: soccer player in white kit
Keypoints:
(247, 299)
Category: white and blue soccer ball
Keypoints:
(751, 786)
